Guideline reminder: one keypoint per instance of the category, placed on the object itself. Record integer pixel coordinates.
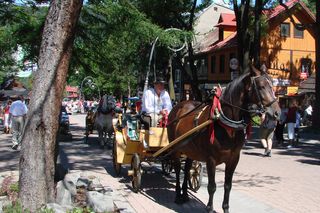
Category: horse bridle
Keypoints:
(260, 104)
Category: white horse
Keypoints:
(103, 120)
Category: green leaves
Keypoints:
(110, 42)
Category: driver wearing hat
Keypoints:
(156, 101)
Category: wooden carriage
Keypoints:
(133, 145)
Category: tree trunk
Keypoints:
(255, 51)
(243, 37)
(316, 106)
(194, 84)
(39, 138)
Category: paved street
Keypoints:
(286, 182)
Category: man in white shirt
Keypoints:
(18, 111)
(156, 101)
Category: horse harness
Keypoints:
(253, 80)
(242, 124)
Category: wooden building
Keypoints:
(287, 51)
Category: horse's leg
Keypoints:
(177, 168)
(211, 171)
(110, 139)
(100, 131)
(230, 168)
(186, 178)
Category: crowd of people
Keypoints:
(79, 106)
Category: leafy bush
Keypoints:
(10, 188)
(15, 207)
(81, 210)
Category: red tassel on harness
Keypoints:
(164, 120)
(215, 110)
(249, 130)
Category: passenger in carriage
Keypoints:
(156, 102)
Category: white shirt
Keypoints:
(152, 103)
(18, 108)
(309, 110)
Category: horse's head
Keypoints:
(107, 104)
(261, 93)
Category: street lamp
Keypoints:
(89, 81)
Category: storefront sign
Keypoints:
(280, 82)
(292, 90)
(303, 75)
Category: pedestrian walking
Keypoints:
(291, 122)
(267, 128)
(7, 120)
(18, 111)
(297, 128)
(281, 124)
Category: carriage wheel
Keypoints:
(166, 166)
(136, 177)
(196, 173)
(116, 166)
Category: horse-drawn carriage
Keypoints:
(135, 144)
(100, 118)
(212, 133)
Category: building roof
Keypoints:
(229, 42)
(204, 27)
(227, 19)
(211, 38)
(271, 13)
(230, 20)
(71, 89)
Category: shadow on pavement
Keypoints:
(308, 147)
(9, 159)
(161, 188)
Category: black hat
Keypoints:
(159, 79)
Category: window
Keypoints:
(305, 70)
(213, 64)
(298, 32)
(285, 30)
(222, 59)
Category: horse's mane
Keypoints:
(234, 88)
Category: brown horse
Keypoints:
(250, 92)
